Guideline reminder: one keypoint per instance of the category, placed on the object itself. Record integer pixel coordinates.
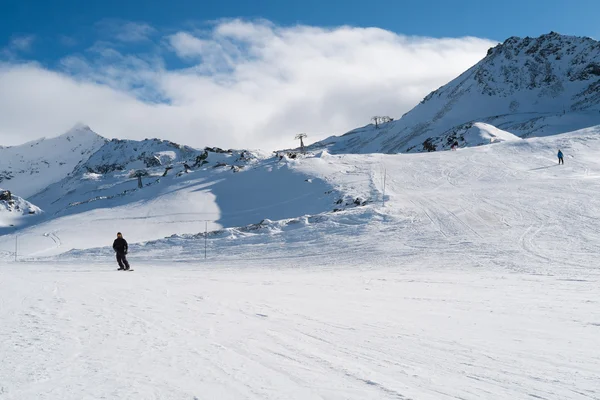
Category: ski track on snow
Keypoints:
(235, 331)
(477, 280)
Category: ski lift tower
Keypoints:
(301, 137)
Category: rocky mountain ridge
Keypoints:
(526, 86)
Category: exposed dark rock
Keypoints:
(428, 145)
(152, 161)
(201, 159)
(217, 150)
(105, 169)
(5, 195)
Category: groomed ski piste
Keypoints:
(478, 279)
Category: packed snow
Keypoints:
(287, 329)
(476, 279)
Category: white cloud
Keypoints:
(16, 46)
(22, 43)
(187, 45)
(245, 84)
(125, 31)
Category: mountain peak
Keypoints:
(544, 45)
(32, 166)
(80, 129)
(526, 86)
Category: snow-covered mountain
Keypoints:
(479, 271)
(123, 170)
(13, 207)
(528, 87)
(469, 274)
(155, 188)
(31, 167)
(16, 212)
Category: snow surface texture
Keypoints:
(476, 280)
(289, 329)
(529, 87)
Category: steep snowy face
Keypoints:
(29, 168)
(556, 73)
(529, 87)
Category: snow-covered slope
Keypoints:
(183, 190)
(14, 208)
(508, 205)
(297, 329)
(468, 135)
(485, 197)
(529, 87)
(112, 172)
(477, 280)
(31, 167)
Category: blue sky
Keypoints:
(245, 73)
(64, 25)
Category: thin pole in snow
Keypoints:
(205, 237)
(383, 197)
(16, 244)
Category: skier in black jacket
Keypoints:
(120, 247)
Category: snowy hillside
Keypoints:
(31, 167)
(183, 191)
(477, 280)
(14, 208)
(501, 203)
(470, 134)
(307, 205)
(528, 87)
(112, 172)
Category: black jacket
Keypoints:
(120, 245)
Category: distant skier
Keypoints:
(560, 158)
(120, 247)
